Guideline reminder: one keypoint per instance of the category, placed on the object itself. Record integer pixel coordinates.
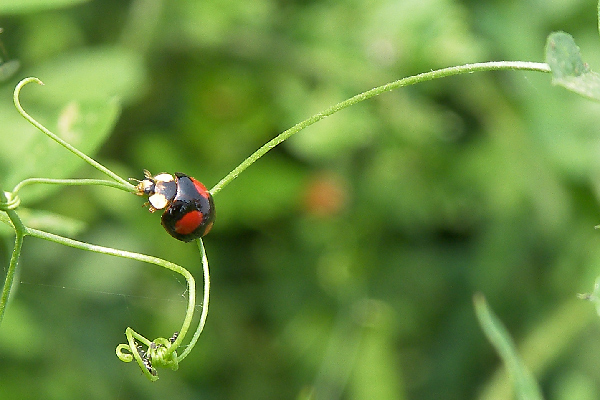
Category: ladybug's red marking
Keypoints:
(200, 187)
(189, 222)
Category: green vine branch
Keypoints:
(14, 259)
(411, 80)
(205, 301)
(66, 145)
(161, 352)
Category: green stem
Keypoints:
(10, 274)
(72, 182)
(426, 76)
(20, 231)
(133, 256)
(204, 314)
(66, 145)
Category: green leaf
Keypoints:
(8, 69)
(526, 388)
(28, 6)
(44, 220)
(78, 103)
(90, 75)
(26, 152)
(568, 69)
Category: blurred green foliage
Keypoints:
(343, 262)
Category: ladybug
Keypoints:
(189, 208)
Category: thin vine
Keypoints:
(411, 80)
(161, 352)
(126, 185)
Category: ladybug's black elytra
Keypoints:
(189, 208)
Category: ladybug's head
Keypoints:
(160, 189)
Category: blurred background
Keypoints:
(344, 261)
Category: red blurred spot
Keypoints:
(325, 195)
